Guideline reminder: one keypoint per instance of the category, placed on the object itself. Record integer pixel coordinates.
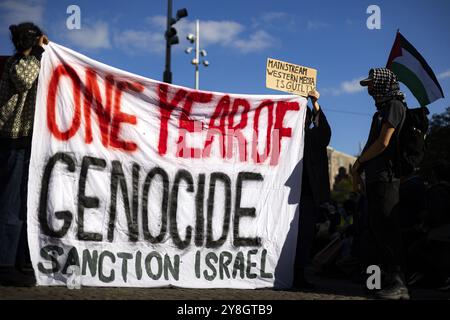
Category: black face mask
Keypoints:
(25, 36)
(370, 90)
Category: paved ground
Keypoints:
(327, 289)
(161, 294)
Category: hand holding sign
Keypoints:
(314, 95)
(43, 40)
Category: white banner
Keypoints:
(138, 183)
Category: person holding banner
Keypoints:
(18, 89)
(315, 188)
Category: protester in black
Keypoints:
(18, 89)
(378, 161)
(315, 188)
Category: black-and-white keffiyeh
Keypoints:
(385, 85)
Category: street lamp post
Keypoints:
(197, 56)
(196, 61)
(171, 38)
(167, 76)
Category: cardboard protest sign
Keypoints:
(138, 183)
(288, 77)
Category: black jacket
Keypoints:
(316, 180)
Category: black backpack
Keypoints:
(411, 141)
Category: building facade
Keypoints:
(337, 159)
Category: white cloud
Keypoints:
(219, 32)
(346, 87)
(224, 33)
(90, 37)
(146, 40)
(274, 15)
(142, 41)
(14, 12)
(352, 86)
(444, 75)
(268, 18)
(229, 34)
(315, 25)
(159, 21)
(276, 21)
(211, 32)
(256, 42)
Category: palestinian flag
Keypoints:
(412, 70)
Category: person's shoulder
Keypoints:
(13, 59)
(396, 103)
(395, 106)
(10, 59)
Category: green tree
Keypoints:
(437, 154)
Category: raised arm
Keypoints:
(321, 128)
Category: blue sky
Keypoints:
(239, 36)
